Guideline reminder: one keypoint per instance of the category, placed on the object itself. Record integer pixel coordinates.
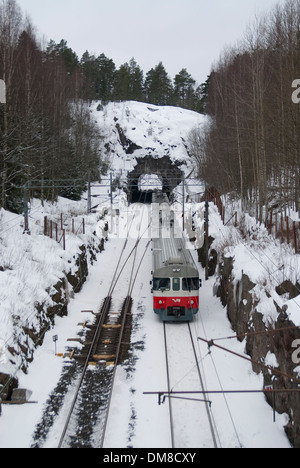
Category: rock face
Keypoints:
(7, 385)
(78, 278)
(263, 340)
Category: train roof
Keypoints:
(170, 253)
(170, 256)
(160, 197)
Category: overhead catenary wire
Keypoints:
(162, 393)
(266, 332)
(221, 386)
(211, 343)
(212, 424)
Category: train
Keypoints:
(175, 276)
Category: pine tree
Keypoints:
(184, 89)
(122, 83)
(136, 84)
(90, 69)
(105, 78)
(69, 56)
(158, 86)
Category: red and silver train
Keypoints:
(176, 280)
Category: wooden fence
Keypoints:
(57, 229)
(280, 226)
(284, 228)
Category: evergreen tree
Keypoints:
(129, 82)
(90, 69)
(184, 89)
(158, 86)
(69, 56)
(106, 78)
(136, 83)
(122, 83)
(201, 96)
(100, 74)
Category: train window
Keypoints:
(161, 284)
(176, 284)
(190, 284)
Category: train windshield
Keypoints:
(161, 284)
(176, 284)
(190, 284)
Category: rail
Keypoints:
(187, 346)
(104, 349)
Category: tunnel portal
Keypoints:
(167, 172)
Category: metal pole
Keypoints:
(206, 238)
(183, 202)
(26, 217)
(111, 203)
(89, 200)
(111, 193)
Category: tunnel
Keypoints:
(165, 175)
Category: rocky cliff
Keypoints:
(269, 341)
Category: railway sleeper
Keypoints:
(105, 352)
(102, 363)
(111, 326)
(104, 357)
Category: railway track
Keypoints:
(186, 412)
(106, 346)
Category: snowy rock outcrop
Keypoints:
(263, 310)
(133, 130)
(37, 278)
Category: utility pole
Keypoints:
(206, 237)
(111, 190)
(89, 197)
(111, 202)
(26, 217)
(183, 202)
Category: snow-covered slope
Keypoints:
(143, 129)
(30, 268)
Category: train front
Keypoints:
(176, 291)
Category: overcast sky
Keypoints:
(187, 34)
